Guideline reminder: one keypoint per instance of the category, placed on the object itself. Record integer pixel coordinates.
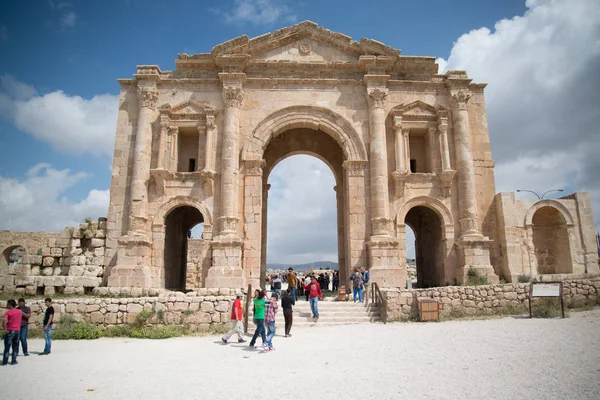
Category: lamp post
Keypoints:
(538, 196)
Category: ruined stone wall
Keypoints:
(28, 240)
(69, 262)
(202, 309)
(487, 299)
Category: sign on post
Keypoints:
(546, 289)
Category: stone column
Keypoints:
(443, 129)
(434, 161)
(401, 173)
(201, 152)
(147, 97)
(162, 146)
(174, 133)
(209, 173)
(465, 167)
(226, 270)
(405, 133)
(378, 161)
(233, 97)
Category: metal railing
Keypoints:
(379, 300)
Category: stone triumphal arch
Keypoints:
(406, 146)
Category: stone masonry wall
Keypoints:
(486, 299)
(196, 311)
(68, 262)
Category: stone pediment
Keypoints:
(417, 110)
(187, 108)
(303, 41)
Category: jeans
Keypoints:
(359, 292)
(270, 333)
(294, 292)
(48, 339)
(288, 315)
(11, 338)
(260, 330)
(236, 327)
(314, 306)
(23, 338)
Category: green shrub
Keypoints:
(160, 314)
(474, 278)
(77, 331)
(523, 278)
(546, 308)
(142, 318)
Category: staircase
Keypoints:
(335, 313)
(330, 313)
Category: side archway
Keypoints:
(310, 117)
(437, 206)
(568, 218)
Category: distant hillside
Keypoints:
(305, 267)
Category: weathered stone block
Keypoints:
(134, 308)
(96, 317)
(48, 261)
(76, 270)
(207, 306)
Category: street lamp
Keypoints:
(538, 196)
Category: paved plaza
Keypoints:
(492, 359)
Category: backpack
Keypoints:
(366, 277)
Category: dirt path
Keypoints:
(493, 359)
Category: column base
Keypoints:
(133, 263)
(474, 253)
(384, 261)
(226, 270)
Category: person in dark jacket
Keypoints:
(287, 302)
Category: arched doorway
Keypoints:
(322, 146)
(429, 248)
(178, 229)
(551, 242)
(10, 257)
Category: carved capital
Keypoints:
(447, 177)
(381, 226)
(398, 124)
(210, 122)
(233, 96)
(228, 224)
(173, 130)
(355, 168)
(147, 98)
(460, 98)
(405, 132)
(254, 167)
(376, 97)
(208, 176)
(400, 176)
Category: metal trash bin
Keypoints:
(429, 310)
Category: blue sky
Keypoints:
(59, 62)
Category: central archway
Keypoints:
(429, 253)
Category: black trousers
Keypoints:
(288, 315)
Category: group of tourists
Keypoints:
(360, 282)
(16, 326)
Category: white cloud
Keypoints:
(302, 222)
(259, 12)
(68, 19)
(71, 124)
(38, 202)
(542, 96)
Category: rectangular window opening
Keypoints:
(413, 166)
(192, 165)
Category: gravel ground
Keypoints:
(491, 359)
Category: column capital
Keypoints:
(254, 167)
(164, 124)
(398, 124)
(376, 97)
(432, 130)
(405, 131)
(147, 97)
(173, 129)
(460, 98)
(233, 96)
(211, 122)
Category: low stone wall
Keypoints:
(196, 312)
(473, 300)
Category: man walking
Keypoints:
(12, 326)
(270, 312)
(259, 318)
(236, 320)
(366, 277)
(26, 311)
(287, 302)
(314, 293)
(292, 282)
(48, 320)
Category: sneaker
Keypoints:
(26, 354)
(14, 363)
(289, 335)
(265, 346)
(44, 353)
(4, 363)
(271, 348)
(242, 340)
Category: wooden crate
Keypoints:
(429, 310)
